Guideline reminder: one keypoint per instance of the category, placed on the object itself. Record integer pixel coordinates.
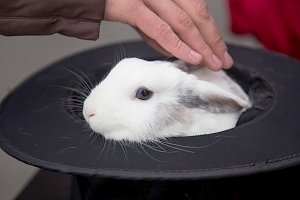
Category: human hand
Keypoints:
(184, 29)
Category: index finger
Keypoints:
(199, 12)
(157, 29)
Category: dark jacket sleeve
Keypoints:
(75, 18)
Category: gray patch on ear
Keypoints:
(212, 103)
(190, 100)
(188, 68)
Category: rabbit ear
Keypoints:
(186, 67)
(210, 97)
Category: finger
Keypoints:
(199, 12)
(157, 29)
(184, 27)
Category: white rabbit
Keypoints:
(150, 100)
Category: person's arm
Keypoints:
(184, 29)
(76, 18)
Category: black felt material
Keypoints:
(274, 185)
(36, 128)
(53, 186)
(46, 185)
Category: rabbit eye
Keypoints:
(143, 93)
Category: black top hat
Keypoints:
(39, 128)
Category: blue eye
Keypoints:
(143, 93)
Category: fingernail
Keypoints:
(217, 61)
(195, 56)
(228, 60)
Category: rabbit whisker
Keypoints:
(72, 89)
(72, 99)
(170, 145)
(74, 106)
(87, 86)
(102, 150)
(154, 148)
(65, 149)
(83, 87)
(87, 78)
(144, 150)
(123, 149)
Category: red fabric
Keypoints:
(276, 23)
